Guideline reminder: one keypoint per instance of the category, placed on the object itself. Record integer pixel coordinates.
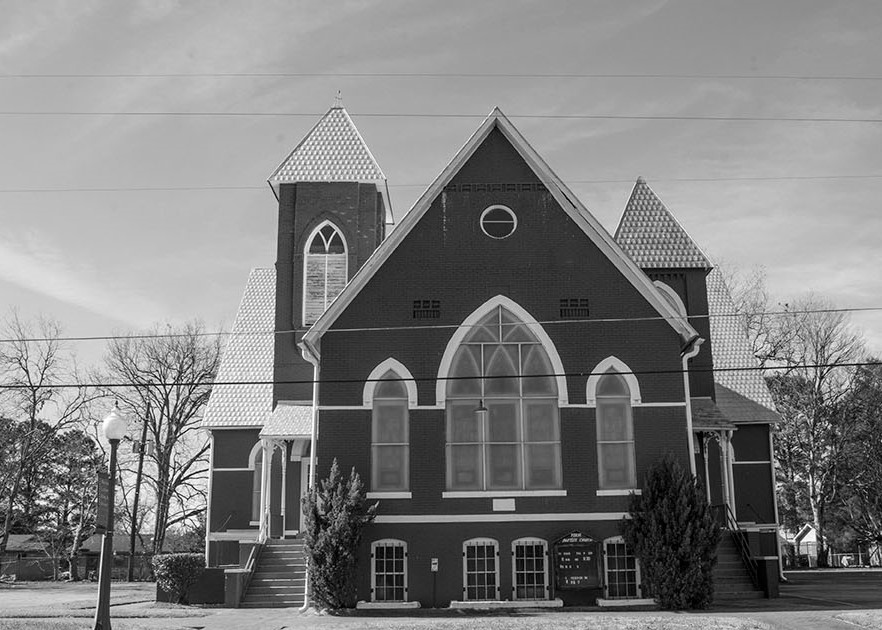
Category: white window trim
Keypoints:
(306, 254)
(485, 494)
(403, 373)
(382, 494)
(639, 577)
(672, 297)
(502, 517)
(477, 315)
(465, 581)
(514, 576)
(252, 456)
(256, 450)
(387, 542)
(510, 212)
(619, 492)
(616, 365)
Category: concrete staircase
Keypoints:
(279, 580)
(731, 578)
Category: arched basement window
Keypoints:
(501, 366)
(324, 271)
(390, 436)
(615, 433)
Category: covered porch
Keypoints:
(285, 442)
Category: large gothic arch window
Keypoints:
(503, 427)
(324, 270)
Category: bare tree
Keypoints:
(33, 367)
(811, 392)
(170, 370)
(767, 332)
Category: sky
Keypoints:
(86, 89)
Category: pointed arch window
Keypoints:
(324, 270)
(390, 442)
(255, 463)
(501, 366)
(615, 433)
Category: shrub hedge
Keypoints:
(177, 572)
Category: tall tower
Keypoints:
(332, 198)
(656, 241)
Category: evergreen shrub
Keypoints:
(336, 514)
(674, 535)
(177, 572)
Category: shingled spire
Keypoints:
(652, 237)
(332, 151)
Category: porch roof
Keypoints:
(288, 420)
(706, 416)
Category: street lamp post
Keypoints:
(115, 427)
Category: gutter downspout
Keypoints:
(208, 503)
(311, 354)
(692, 348)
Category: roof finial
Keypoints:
(338, 100)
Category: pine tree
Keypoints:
(674, 535)
(336, 514)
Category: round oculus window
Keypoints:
(498, 221)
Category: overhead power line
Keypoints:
(112, 189)
(598, 320)
(205, 114)
(341, 381)
(443, 75)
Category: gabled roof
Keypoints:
(741, 390)
(332, 151)
(24, 543)
(248, 359)
(651, 235)
(563, 195)
(288, 420)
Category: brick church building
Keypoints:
(500, 370)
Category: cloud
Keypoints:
(35, 264)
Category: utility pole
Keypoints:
(142, 448)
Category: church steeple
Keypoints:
(332, 151)
(333, 205)
(652, 237)
(662, 248)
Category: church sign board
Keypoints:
(576, 562)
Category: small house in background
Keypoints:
(500, 370)
(90, 555)
(27, 558)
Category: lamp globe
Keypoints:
(115, 425)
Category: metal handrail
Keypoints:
(740, 539)
(253, 559)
